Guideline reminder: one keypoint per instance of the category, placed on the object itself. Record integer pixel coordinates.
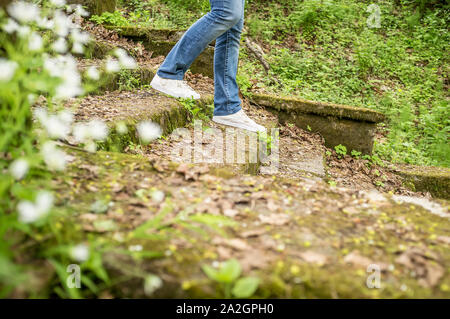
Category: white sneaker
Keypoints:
(239, 120)
(175, 88)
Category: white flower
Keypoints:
(93, 130)
(63, 23)
(151, 284)
(27, 212)
(77, 48)
(54, 158)
(41, 114)
(80, 132)
(80, 37)
(112, 66)
(60, 45)
(80, 252)
(98, 130)
(7, 69)
(58, 3)
(11, 26)
(32, 98)
(30, 212)
(92, 73)
(79, 10)
(55, 127)
(66, 117)
(24, 31)
(67, 91)
(24, 11)
(91, 147)
(126, 61)
(45, 23)
(121, 128)
(148, 131)
(135, 248)
(19, 168)
(158, 196)
(44, 202)
(35, 42)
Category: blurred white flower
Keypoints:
(158, 196)
(148, 131)
(65, 67)
(112, 65)
(32, 98)
(60, 45)
(44, 202)
(98, 130)
(19, 168)
(56, 128)
(91, 147)
(126, 61)
(27, 212)
(80, 252)
(7, 69)
(63, 23)
(92, 73)
(30, 212)
(77, 48)
(79, 36)
(121, 128)
(81, 11)
(54, 158)
(66, 116)
(68, 90)
(151, 284)
(24, 12)
(41, 114)
(35, 42)
(94, 130)
(58, 3)
(80, 132)
(11, 26)
(23, 31)
(45, 23)
(135, 248)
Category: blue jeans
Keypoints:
(224, 24)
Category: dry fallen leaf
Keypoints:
(274, 219)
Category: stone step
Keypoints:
(435, 180)
(301, 238)
(350, 126)
(161, 41)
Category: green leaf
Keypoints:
(229, 271)
(245, 287)
(210, 272)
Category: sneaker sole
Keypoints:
(237, 125)
(162, 90)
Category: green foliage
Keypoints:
(341, 150)
(115, 18)
(227, 277)
(196, 110)
(128, 80)
(324, 50)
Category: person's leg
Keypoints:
(227, 103)
(224, 14)
(226, 58)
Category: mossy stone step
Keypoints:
(339, 124)
(311, 246)
(435, 180)
(161, 41)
